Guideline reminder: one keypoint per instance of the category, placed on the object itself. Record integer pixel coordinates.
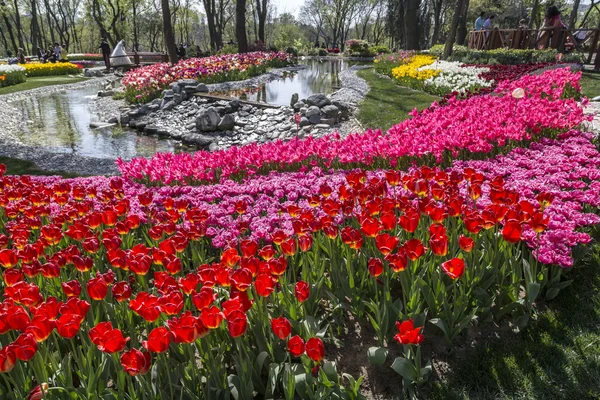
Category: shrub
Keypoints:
(11, 75)
(323, 52)
(380, 49)
(504, 56)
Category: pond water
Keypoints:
(321, 76)
(60, 122)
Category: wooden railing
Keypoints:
(558, 38)
(146, 57)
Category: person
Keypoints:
(522, 24)
(50, 56)
(63, 53)
(8, 53)
(56, 51)
(479, 22)
(21, 56)
(181, 51)
(488, 24)
(105, 48)
(40, 54)
(119, 57)
(552, 20)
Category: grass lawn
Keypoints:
(40, 81)
(22, 167)
(386, 104)
(590, 84)
(556, 357)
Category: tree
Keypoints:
(453, 28)
(574, 12)
(411, 24)
(261, 10)
(168, 31)
(240, 26)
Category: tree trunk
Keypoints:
(261, 8)
(18, 26)
(240, 25)
(534, 11)
(35, 29)
(135, 28)
(453, 28)
(461, 35)
(168, 31)
(411, 31)
(437, 21)
(10, 34)
(574, 13)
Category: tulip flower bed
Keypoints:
(461, 129)
(113, 289)
(146, 83)
(11, 75)
(51, 69)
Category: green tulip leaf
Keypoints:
(377, 355)
(404, 368)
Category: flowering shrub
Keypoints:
(505, 56)
(458, 130)
(411, 73)
(11, 75)
(51, 69)
(455, 77)
(145, 83)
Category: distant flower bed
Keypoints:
(11, 75)
(51, 69)
(147, 83)
(85, 57)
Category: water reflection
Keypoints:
(60, 122)
(321, 76)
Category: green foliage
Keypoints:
(504, 56)
(323, 52)
(118, 96)
(228, 49)
(12, 78)
(380, 49)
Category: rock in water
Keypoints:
(227, 122)
(294, 100)
(319, 100)
(208, 120)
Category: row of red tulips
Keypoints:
(149, 298)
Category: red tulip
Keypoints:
(296, 346)
(288, 247)
(409, 221)
(439, 245)
(25, 346)
(7, 359)
(121, 291)
(40, 327)
(237, 323)
(408, 334)
(230, 257)
(398, 261)
(38, 392)
(375, 266)
(146, 305)
(241, 279)
(158, 340)
(305, 242)
(171, 303)
(267, 252)
(71, 288)
(107, 339)
(315, 349)
(545, 199)
(264, 285)
(68, 325)
(135, 362)
(454, 268)
(277, 266)
(414, 249)
(13, 276)
(281, 327)
(204, 298)
(211, 317)
(512, 231)
(370, 227)
(302, 291)
(8, 258)
(538, 222)
(466, 243)
(187, 328)
(386, 243)
(75, 306)
(97, 288)
(352, 238)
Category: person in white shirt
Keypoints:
(488, 25)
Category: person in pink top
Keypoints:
(551, 21)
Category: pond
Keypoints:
(60, 122)
(321, 76)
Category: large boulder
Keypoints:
(312, 110)
(187, 82)
(208, 120)
(227, 122)
(175, 87)
(318, 99)
(304, 121)
(342, 106)
(202, 88)
(314, 119)
(331, 111)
